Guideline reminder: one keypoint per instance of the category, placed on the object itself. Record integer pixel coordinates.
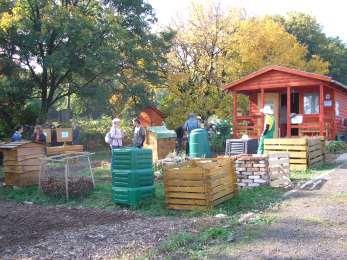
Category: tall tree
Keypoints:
(309, 32)
(216, 47)
(68, 45)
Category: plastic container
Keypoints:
(199, 146)
(132, 178)
(131, 159)
(131, 196)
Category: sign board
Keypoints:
(297, 119)
(328, 103)
(64, 134)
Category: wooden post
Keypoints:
(334, 115)
(321, 110)
(235, 115)
(262, 103)
(289, 128)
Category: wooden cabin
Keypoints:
(151, 116)
(22, 162)
(304, 104)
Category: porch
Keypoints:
(297, 112)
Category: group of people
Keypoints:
(37, 136)
(115, 136)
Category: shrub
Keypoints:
(336, 147)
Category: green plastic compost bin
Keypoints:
(199, 146)
(132, 175)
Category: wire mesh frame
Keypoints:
(66, 160)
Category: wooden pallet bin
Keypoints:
(64, 149)
(296, 147)
(315, 151)
(303, 152)
(160, 147)
(199, 184)
(22, 162)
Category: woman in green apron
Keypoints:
(269, 127)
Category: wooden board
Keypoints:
(64, 149)
(289, 141)
(64, 135)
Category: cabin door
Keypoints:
(272, 99)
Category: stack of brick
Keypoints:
(252, 171)
(279, 169)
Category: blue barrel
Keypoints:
(199, 146)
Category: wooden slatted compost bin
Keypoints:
(64, 149)
(199, 184)
(161, 140)
(303, 152)
(22, 162)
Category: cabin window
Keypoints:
(311, 103)
(337, 108)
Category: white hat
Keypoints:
(116, 120)
(267, 110)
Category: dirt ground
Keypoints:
(310, 224)
(31, 231)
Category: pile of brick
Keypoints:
(279, 169)
(252, 171)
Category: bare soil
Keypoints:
(310, 224)
(39, 232)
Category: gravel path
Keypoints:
(310, 224)
(32, 231)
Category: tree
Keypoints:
(68, 45)
(309, 32)
(214, 48)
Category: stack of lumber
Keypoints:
(199, 184)
(64, 149)
(303, 152)
(22, 162)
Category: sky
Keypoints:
(331, 14)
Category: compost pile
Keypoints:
(77, 186)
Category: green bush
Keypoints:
(336, 147)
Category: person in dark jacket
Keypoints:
(17, 135)
(179, 139)
(38, 136)
(139, 134)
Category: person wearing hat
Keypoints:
(191, 124)
(269, 127)
(115, 136)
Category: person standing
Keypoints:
(75, 134)
(139, 134)
(38, 136)
(17, 135)
(191, 124)
(179, 139)
(115, 136)
(269, 127)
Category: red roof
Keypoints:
(286, 70)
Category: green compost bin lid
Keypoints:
(162, 132)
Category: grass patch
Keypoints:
(311, 173)
(187, 242)
(246, 200)
(103, 155)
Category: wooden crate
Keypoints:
(64, 134)
(303, 152)
(64, 149)
(315, 151)
(22, 162)
(199, 184)
(160, 147)
(296, 147)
